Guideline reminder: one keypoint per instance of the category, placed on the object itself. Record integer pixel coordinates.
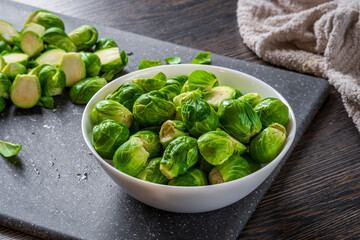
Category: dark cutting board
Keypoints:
(56, 189)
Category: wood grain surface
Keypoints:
(317, 193)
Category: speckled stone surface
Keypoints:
(55, 188)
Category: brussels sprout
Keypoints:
(21, 58)
(110, 109)
(179, 156)
(8, 32)
(25, 91)
(4, 47)
(185, 88)
(31, 42)
(171, 91)
(144, 63)
(52, 57)
(82, 91)
(203, 80)
(239, 119)
(217, 146)
(151, 142)
(179, 80)
(178, 99)
(46, 19)
(11, 70)
(46, 102)
(254, 166)
(73, 67)
(9, 149)
(197, 114)
(272, 110)
(172, 60)
(202, 58)
(152, 109)
(112, 61)
(5, 85)
(170, 130)
(268, 144)
(108, 136)
(105, 43)
(92, 63)
(193, 177)
(2, 104)
(131, 157)
(219, 93)
(251, 98)
(59, 39)
(149, 84)
(152, 173)
(84, 37)
(52, 80)
(126, 94)
(135, 127)
(235, 167)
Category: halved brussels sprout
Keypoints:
(92, 63)
(73, 67)
(11, 70)
(126, 94)
(219, 93)
(234, 168)
(56, 37)
(203, 80)
(151, 142)
(46, 102)
(268, 144)
(82, 91)
(5, 85)
(110, 109)
(197, 114)
(152, 109)
(170, 130)
(52, 80)
(8, 32)
(21, 58)
(131, 157)
(2, 104)
(272, 110)
(193, 177)
(239, 119)
(112, 61)
(31, 42)
(152, 173)
(4, 47)
(179, 156)
(25, 91)
(46, 19)
(217, 146)
(108, 136)
(84, 37)
(149, 84)
(105, 43)
(171, 91)
(52, 57)
(251, 98)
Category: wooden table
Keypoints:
(317, 193)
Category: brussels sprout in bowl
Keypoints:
(186, 199)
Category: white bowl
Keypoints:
(190, 199)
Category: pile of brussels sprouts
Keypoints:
(187, 130)
(38, 62)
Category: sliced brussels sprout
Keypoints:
(31, 42)
(172, 60)
(202, 58)
(149, 84)
(254, 166)
(131, 157)
(234, 168)
(46, 19)
(84, 37)
(8, 32)
(144, 63)
(46, 102)
(204, 165)
(170, 130)
(73, 67)
(171, 91)
(105, 43)
(110, 109)
(21, 58)
(185, 88)
(52, 57)
(126, 94)
(272, 110)
(4, 47)
(112, 61)
(193, 177)
(11, 70)
(5, 85)
(25, 91)
(268, 144)
(197, 114)
(92, 63)
(9, 149)
(203, 80)
(82, 91)
(52, 80)
(179, 156)
(151, 172)
(56, 37)
(151, 142)
(108, 136)
(217, 146)
(251, 98)
(239, 119)
(152, 109)
(219, 93)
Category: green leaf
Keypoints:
(202, 58)
(9, 149)
(149, 63)
(173, 60)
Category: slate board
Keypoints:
(55, 189)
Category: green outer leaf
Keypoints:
(46, 102)
(252, 98)
(92, 63)
(58, 38)
(9, 149)
(203, 80)
(126, 94)
(144, 63)
(105, 43)
(202, 58)
(82, 91)
(152, 173)
(4, 47)
(46, 19)
(84, 37)
(193, 177)
(173, 60)
(5, 85)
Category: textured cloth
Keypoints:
(317, 37)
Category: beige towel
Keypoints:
(311, 36)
